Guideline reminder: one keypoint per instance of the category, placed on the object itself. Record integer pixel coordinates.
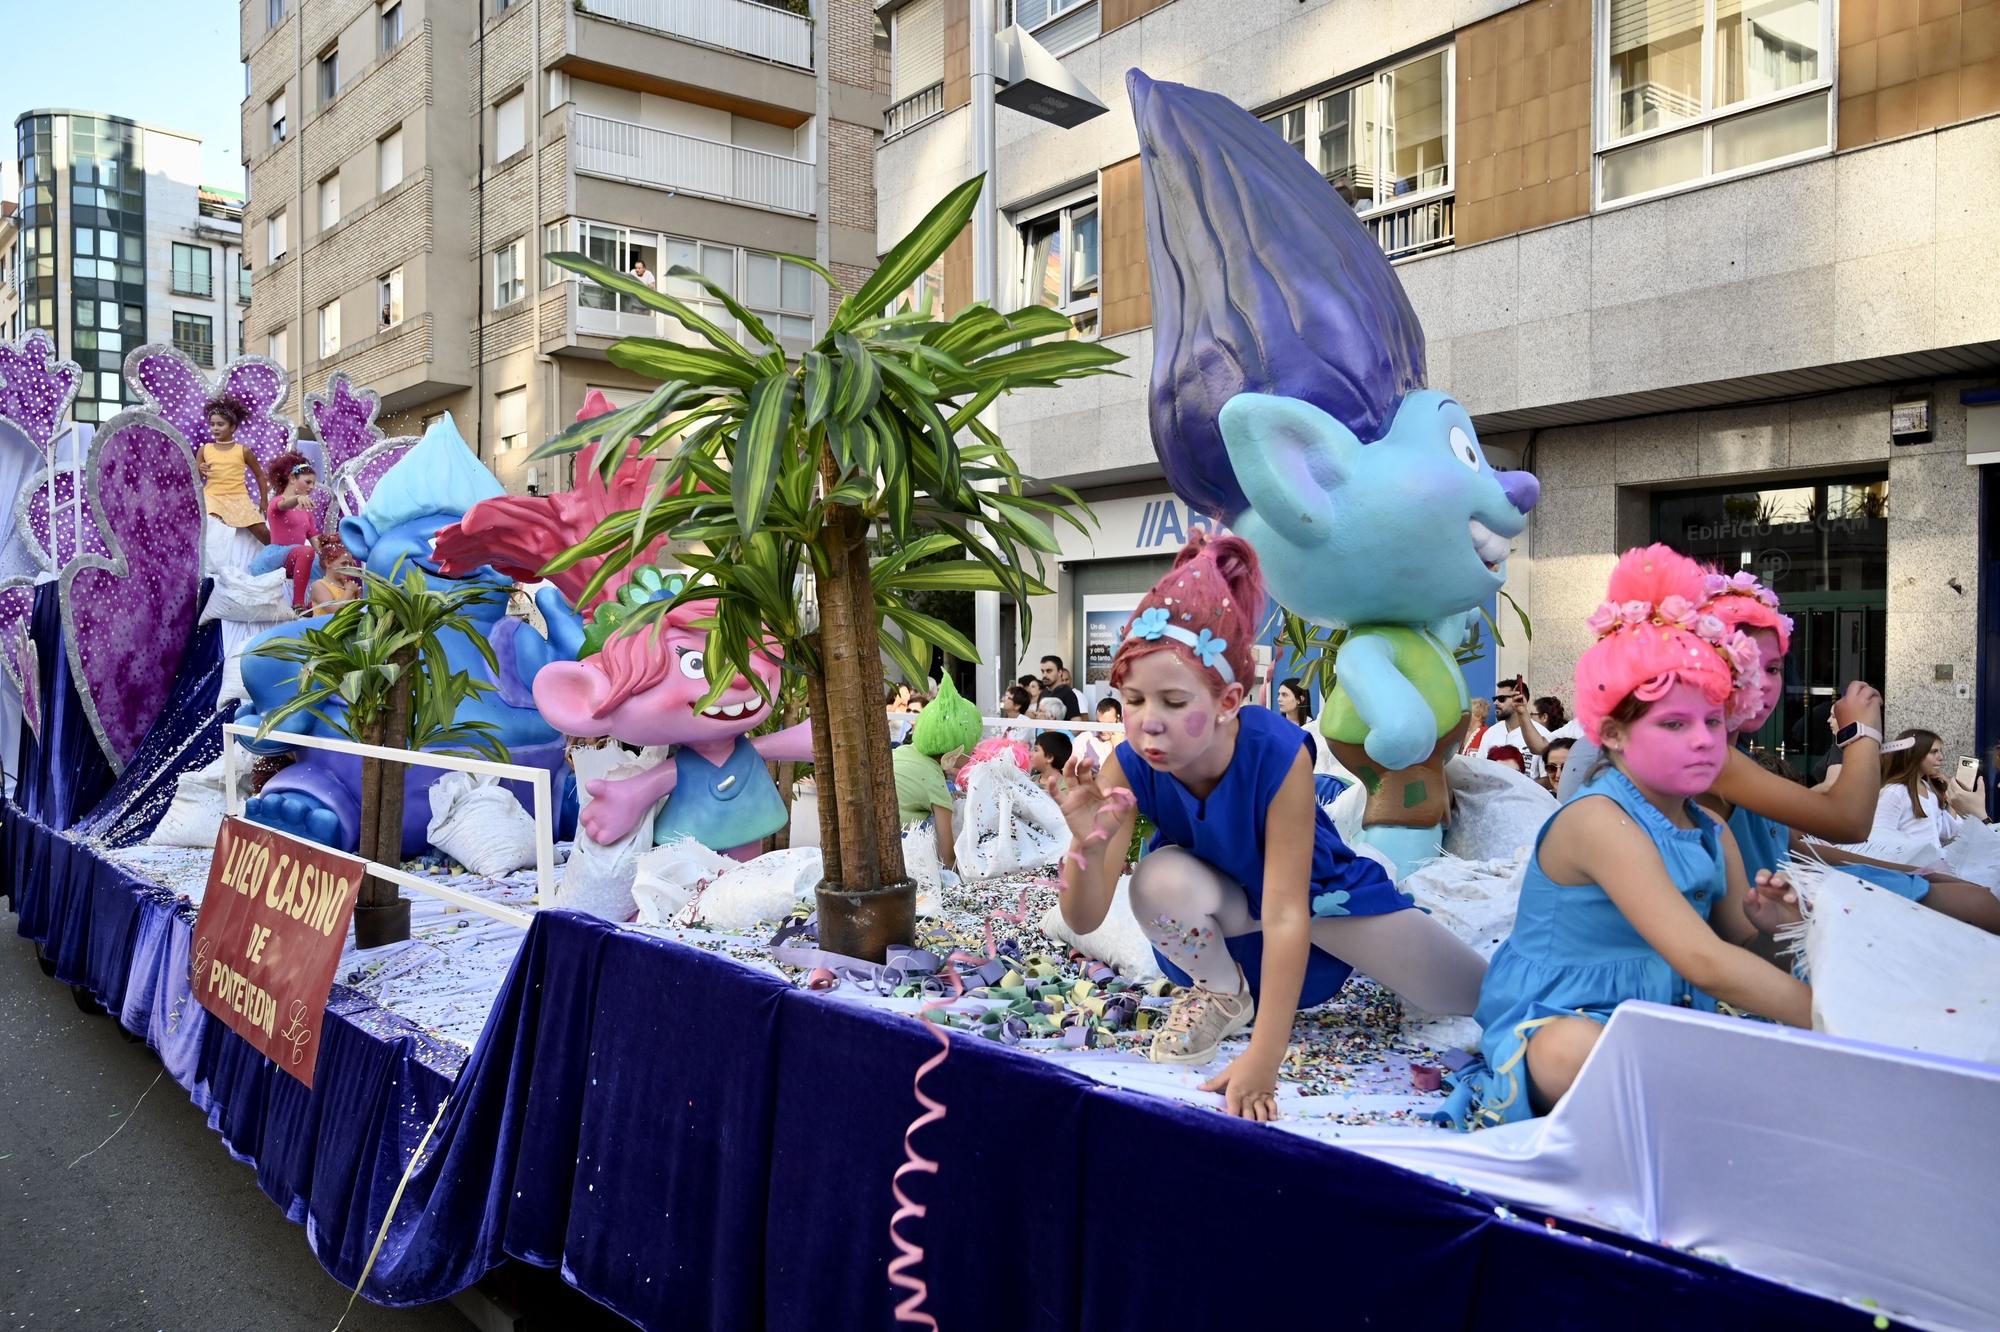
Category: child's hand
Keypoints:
(203, 466)
(1772, 903)
(1249, 1087)
(1077, 793)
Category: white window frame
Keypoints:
(516, 253)
(329, 329)
(329, 202)
(1309, 109)
(186, 347)
(382, 182)
(274, 348)
(275, 111)
(510, 400)
(389, 26)
(277, 236)
(514, 106)
(389, 294)
(274, 14)
(1710, 117)
(1066, 208)
(326, 74)
(174, 277)
(568, 234)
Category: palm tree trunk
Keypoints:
(825, 789)
(382, 916)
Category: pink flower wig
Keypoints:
(1741, 602)
(1216, 585)
(1652, 635)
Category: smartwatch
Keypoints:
(1853, 731)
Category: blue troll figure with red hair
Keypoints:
(1288, 401)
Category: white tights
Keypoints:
(1188, 908)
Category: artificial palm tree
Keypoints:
(376, 673)
(781, 471)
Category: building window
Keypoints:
(780, 293)
(192, 275)
(1059, 269)
(510, 132)
(389, 295)
(1693, 92)
(195, 335)
(1385, 145)
(274, 348)
(242, 284)
(510, 419)
(389, 161)
(329, 329)
(329, 203)
(1058, 25)
(510, 272)
(274, 13)
(329, 75)
(275, 108)
(392, 27)
(276, 232)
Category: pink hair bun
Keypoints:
(1740, 601)
(1215, 585)
(1652, 633)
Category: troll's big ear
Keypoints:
(1289, 457)
(568, 694)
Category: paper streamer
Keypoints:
(909, 1253)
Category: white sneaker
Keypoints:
(1199, 1021)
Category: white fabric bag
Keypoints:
(598, 879)
(670, 875)
(480, 824)
(746, 896)
(1974, 855)
(195, 816)
(1008, 823)
(246, 598)
(1496, 812)
(1892, 971)
(1474, 899)
(1118, 942)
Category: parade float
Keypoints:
(649, 1105)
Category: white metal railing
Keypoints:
(1412, 228)
(537, 778)
(595, 312)
(643, 155)
(734, 25)
(914, 110)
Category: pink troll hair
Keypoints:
(636, 660)
(1740, 601)
(999, 746)
(1651, 635)
(1216, 585)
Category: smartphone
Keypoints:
(1968, 772)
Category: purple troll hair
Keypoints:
(1263, 282)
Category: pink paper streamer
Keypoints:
(909, 1253)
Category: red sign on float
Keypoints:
(270, 932)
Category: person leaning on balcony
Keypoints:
(640, 271)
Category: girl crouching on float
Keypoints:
(1246, 891)
(1634, 891)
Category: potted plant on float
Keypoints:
(375, 672)
(780, 472)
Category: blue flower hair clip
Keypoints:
(1156, 624)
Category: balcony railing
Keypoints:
(912, 111)
(597, 313)
(1412, 228)
(643, 155)
(734, 25)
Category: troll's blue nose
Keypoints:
(1521, 489)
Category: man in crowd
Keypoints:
(1055, 682)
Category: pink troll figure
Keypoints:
(643, 688)
(519, 534)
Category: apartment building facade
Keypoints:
(112, 242)
(412, 162)
(1718, 271)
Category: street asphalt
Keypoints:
(158, 1228)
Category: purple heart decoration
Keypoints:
(17, 606)
(127, 613)
(57, 529)
(169, 383)
(35, 387)
(356, 481)
(343, 419)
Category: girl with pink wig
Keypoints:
(1634, 892)
(1745, 605)
(1246, 891)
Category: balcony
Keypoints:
(594, 312)
(912, 111)
(1408, 229)
(743, 26)
(661, 159)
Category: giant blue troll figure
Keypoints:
(1288, 400)
(431, 487)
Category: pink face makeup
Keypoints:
(1170, 715)
(1771, 675)
(1679, 746)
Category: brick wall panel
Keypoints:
(273, 181)
(510, 203)
(1522, 111)
(271, 64)
(513, 331)
(850, 175)
(325, 20)
(1127, 283)
(370, 244)
(853, 57)
(1117, 13)
(555, 178)
(958, 273)
(1906, 68)
(957, 54)
(410, 345)
(393, 91)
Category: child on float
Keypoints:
(292, 521)
(945, 732)
(236, 530)
(1743, 604)
(1634, 891)
(340, 578)
(1246, 891)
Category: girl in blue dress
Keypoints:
(1742, 603)
(1246, 891)
(1634, 892)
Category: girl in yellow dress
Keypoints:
(224, 464)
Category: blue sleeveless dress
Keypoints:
(1573, 954)
(1227, 830)
(1765, 842)
(722, 808)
